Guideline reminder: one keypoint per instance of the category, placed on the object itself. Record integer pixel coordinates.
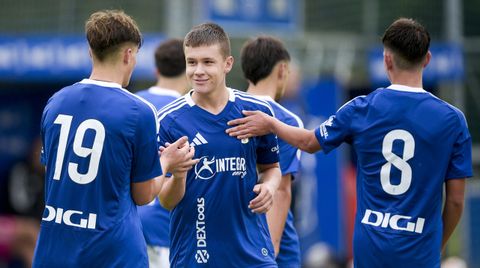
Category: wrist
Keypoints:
(165, 165)
(271, 125)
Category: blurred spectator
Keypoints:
(19, 229)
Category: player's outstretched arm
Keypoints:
(277, 215)
(452, 211)
(144, 192)
(257, 123)
(270, 176)
(173, 189)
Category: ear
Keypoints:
(283, 70)
(387, 59)
(127, 55)
(428, 57)
(229, 64)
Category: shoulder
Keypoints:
(450, 109)
(249, 102)
(173, 110)
(285, 115)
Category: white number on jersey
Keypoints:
(398, 162)
(65, 122)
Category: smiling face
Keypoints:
(206, 68)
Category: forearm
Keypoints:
(277, 215)
(452, 213)
(271, 176)
(301, 138)
(172, 192)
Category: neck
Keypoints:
(107, 73)
(213, 102)
(407, 78)
(265, 87)
(177, 84)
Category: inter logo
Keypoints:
(206, 168)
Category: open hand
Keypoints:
(255, 123)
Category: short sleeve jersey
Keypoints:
(155, 219)
(212, 225)
(289, 254)
(97, 139)
(407, 143)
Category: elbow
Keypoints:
(166, 204)
(142, 200)
(309, 148)
(456, 203)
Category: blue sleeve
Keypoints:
(146, 162)
(460, 165)
(43, 154)
(267, 149)
(336, 129)
(289, 158)
(164, 134)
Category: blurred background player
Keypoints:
(101, 156)
(408, 143)
(217, 212)
(265, 64)
(171, 84)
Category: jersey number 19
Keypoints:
(65, 122)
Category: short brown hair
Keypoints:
(260, 55)
(107, 30)
(409, 40)
(207, 34)
(170, 58)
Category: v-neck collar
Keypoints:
(205, 113)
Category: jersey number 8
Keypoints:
(398, 162)
(65, 122)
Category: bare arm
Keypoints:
(256, 123)
(277, 215)
(270, 177)
(173, 188)
(452, 211)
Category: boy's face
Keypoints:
(206, 68)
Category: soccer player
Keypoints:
(217, 212)
(171, 84)
(409, 144)
(265, 64)
(101, 155)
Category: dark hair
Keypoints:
(260, 55)
(107, 30)
(170, 58)
(409, 40)
(207, 34)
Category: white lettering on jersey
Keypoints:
(206, 168)
(324, 125)
(379, 219)
(60, 216)
(202, 255)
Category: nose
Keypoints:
(199, 70)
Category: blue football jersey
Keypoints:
(407, 143)
(289, 254)
(212, 225)
(158, 96)
(156, 219)
(97, 139)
